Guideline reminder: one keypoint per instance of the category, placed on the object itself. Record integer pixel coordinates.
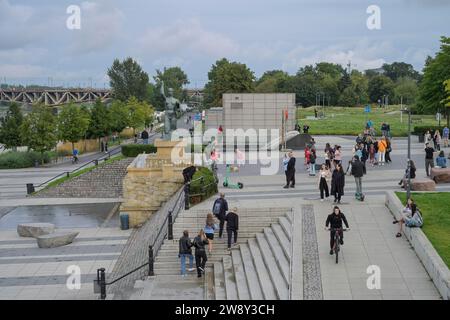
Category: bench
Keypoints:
(440, 175)
(35, 229)
(423, 185)
(56, 239)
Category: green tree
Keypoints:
(360, 86)
(100, 124)
(436, 71)
(379, 86)
(174, 78)
(331, 69)
(399, 70)
(406, 90)
(140, 113)
(39, 129)
(119, 115)
(72, 124)
(348, 98)
(127, 79)
(227, 77)
(270, 81)
(10, 127)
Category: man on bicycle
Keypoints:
(75, 155)
(335, 221)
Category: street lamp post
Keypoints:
(408, 188)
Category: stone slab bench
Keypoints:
(35, 229)
(56, 239)
(440, 175)
(423, 185)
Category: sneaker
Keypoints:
(201, 269)
(285, 187)
(292, 186)
(321, 200)
(199, 276)
(191, 269)
(183, 275)
(331, 252)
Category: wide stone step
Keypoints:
(274, 271)
(265, 281)
(209, 283)
(182, 223)
(230, 280)
(239, 274)
(251, 276)
(219, 282)
(243, 229)
(286, 225)
(277, 252)
(283, 240)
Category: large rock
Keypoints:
(423, 185)
(440, 175)
(56, 239)
(35, 229)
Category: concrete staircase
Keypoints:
(105, 181)
(257, 268)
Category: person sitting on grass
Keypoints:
(441, 162)
(411, 217)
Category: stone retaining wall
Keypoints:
(433, 263)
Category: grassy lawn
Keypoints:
(436, 216)
(351, 121)
(82, 171)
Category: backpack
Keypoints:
(217, 207)
(417, 218)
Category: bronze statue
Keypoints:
(172, 107)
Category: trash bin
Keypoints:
(124, 221)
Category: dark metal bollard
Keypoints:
(186, 196)
(96, 162)
(170, 225)
(68, 174)
(150, 261)
(30, 188)
(102, 283)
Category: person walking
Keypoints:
(337, 155)
(307, 156)
(324, 175)
(387, 156)
(429, 158)
(285, 165)
(210, 227)
(185, 251)
(232, 219)
(144, 136)
(357, 173)
(200, 241)
(220, 208)
(327, 155)
(437, 140)
(427, 137)
(312, 161)
(291, 171)
(334, 220)
(338, 183)
(445, 134)
(382, 146)
(372, 154)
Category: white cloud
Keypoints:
(17, 71)
(100, 27)
(186, 38)
(363, 55)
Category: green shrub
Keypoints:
(421, 130)
(132, 150)
(18, 160)
(207, 186)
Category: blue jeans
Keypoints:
(145, 141)
(183, 262)
(312, 169)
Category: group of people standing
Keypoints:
(205, 237)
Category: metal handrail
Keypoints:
(154, 247)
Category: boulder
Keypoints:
(440, 175)
(423, 185)
(56, 239)
(35, 229)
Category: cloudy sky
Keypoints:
(36, 45)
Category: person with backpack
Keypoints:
(220, 208)
(232, 219)
(411, 217)
(184, 252)
(210, 227)
(200, 241)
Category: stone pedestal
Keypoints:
(151, 180)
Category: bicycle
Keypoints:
(74, 159)
(337, 241)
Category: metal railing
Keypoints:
(31, 188)
(153, 249)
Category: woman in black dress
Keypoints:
(338, 183)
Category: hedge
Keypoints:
(204, 188)
(132, 150)
(18, 160)
(421, 130)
